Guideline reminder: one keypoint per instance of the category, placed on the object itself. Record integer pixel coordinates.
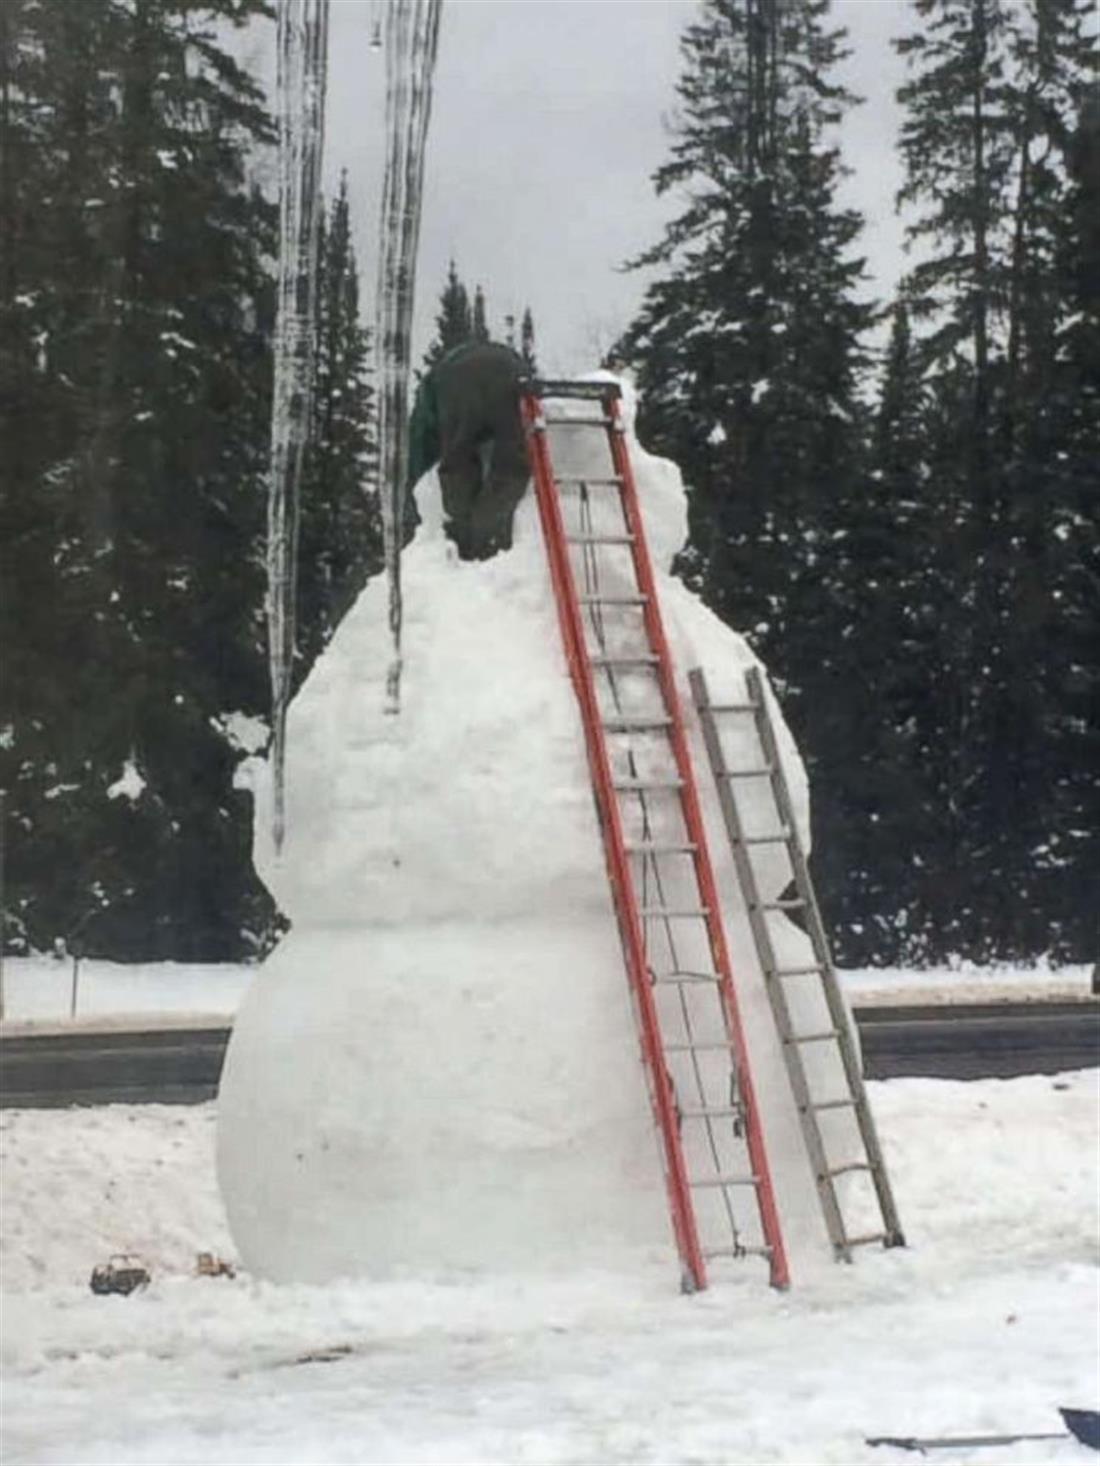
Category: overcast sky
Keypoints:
(549, 118)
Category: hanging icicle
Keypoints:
(302, 65)
(412, 39)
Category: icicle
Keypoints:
(302, 64)
(412, 39)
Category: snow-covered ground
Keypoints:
(40, 989)
(985, 1323)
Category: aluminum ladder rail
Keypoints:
(775, 977)
(612, 789)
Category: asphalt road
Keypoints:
(182, 1065)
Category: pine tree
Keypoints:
(340, 540)
(141, 280)
(897, 570)
(479, 326)
(454, 324)
(1059, 598)
(747, 346)
(527, 343)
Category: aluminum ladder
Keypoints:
(693, 1045)
(836, 1033)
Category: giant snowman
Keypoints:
(438, 1068)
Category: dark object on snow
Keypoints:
(467, 419)
(1085, 1425)
(927, 1443)
(120, 1274)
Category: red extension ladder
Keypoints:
(662, 884)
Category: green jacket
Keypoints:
(424, 428)
(424, 420)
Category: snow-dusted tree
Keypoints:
(990, 107)
(748, 342)
(479, 323)
(454, 324)
(1059, 589)
(340, 538)
(527, 342)
(137, 283)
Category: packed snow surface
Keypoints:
(986, 1322)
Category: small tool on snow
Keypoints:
(209, 1265)
(1084, 1425)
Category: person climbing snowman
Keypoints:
(466, 418)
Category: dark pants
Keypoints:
(483, 466)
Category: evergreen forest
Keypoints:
(895, 501)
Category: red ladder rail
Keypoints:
(618, 867)
(620, 876)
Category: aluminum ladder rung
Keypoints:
(673, 913)
(847, 1170)
(834, 1104)
(813, 1038)
(708, 1046)
(792, 905)
(685, 979)
(660, 847)
(794, 971)
(600, 539)
(587, 600)
(866, 1239)
(713, 1183)
(636, 725)
(781, 837)
(754, 773)
(596, 481)
(646, 659)
(730, 707)
(644, 786)
(723, 1112)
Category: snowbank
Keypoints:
(38, 990)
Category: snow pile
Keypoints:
(985, 1323)
(38, 990)
(439, 1065)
